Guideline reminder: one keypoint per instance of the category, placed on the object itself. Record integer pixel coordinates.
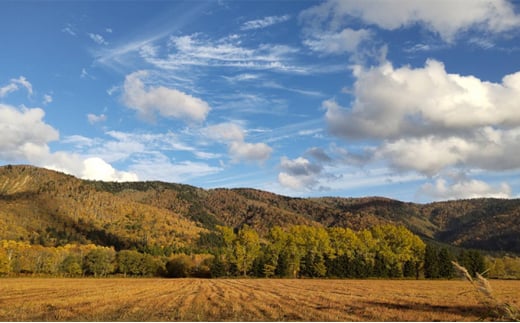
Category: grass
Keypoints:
(502, 310)
(118, 299)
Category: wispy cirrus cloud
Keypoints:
(14, 85)
(70, 30)
(198, 50)
(264, 22)
(97, 38)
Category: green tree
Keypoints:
(314, 243)
(99, 262)
(277, 239)
(71, 265)
(431, 262)
(180, 266)
(150, 266)
(473, 261)
(396, 246)
(4, 262)
(129, 262)
(445, 258)
(227, 258)
(347, 251)
(246, 249)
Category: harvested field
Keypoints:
(125, 299)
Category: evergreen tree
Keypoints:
(446, 269)
(431, 262)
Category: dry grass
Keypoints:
(114, 299)
(502, 310)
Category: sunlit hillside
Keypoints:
(51, 208)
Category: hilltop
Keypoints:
(51, 208)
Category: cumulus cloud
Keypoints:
(167, 102)
(23, 130)
(240, 150)
(428, 120)
(421, 101)
(234, 136)
(299, 173)
(24, 137)
(446, 18)
(95, 168)
(442, 189)
(226, 131)
(264, 22)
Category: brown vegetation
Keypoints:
(51, 208)
(118, 299)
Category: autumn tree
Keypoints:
(100, 261)
(4, 263)
(71, 266)
(246, 249)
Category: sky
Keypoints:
(412, 100)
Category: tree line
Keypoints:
(386, 251)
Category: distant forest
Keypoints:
(383, 251)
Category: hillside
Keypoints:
(51, 208)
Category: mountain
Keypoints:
(52, 208)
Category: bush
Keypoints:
(180, 266)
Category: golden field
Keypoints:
(127, 299)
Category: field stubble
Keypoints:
(125, 299)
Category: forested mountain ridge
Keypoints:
(50, 208)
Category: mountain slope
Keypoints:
(52, 208)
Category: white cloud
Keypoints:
(96, 168)
(240, 150)
(428, 120)
(97, 38)
(299, 174)
(421, 101)
(22, 130)
(171, 103)
(93, 118)
(446, 18)
(69, 29)
(24, 137)
(348, 40)
(14, 86)
(226, 131)
(197, 50)
(441, 189)
(47, 98)
(234, 136)
(160, 167)
(264, 22)
(11, 87)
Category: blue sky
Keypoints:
(413, 100)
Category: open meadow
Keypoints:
(127, 299)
